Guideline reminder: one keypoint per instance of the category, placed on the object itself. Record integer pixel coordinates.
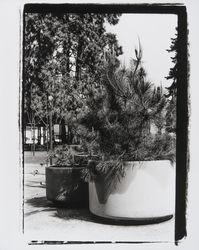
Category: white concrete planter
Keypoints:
(146, 192)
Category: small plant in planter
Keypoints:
(63, 179)
(125, 122)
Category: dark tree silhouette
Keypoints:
(172, 89)
(174, 70)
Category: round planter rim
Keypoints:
(142, 161)
(163, 160)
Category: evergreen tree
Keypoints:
(57, 48)
(116, 122)
(118, 118)
(174, 70)
(172, 89)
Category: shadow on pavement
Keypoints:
(71, 214)
(39, 202)
(70, 211)
(77, 211)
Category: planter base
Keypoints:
(131, 221)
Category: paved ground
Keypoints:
(44, 221)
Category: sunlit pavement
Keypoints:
(44, 221)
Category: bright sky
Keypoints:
(155, 32)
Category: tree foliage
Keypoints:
(61, 53)
(172, 89)
(119, 117)
(118, 120)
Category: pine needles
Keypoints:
(128, 123)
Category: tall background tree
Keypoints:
(38, 47)
(62, 54)
(172, 89)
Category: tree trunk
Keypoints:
(51, 134)
(66, 52)
(68, 60)
(47, 137)
(24, 135)
(33, 139)
(67, 47)
(63, 132)
(70, 135)
(39, 135)
(78, 61)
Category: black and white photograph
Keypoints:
(103, 123)
(99, 125)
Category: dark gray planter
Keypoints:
(65, 186)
